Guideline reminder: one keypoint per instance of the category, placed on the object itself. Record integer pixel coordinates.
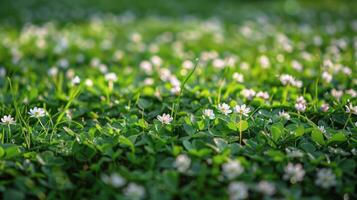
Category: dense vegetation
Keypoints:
(183, 100)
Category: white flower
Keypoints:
(300, 104)
(287, 79)
(294, 173)
(114, 179)
(218, 63)
(88, 82)
(8, 120)
(76, 80)
(266, 188)
(134, 191)
(224, 109)
(148, 81)
(336, 93)
(296, 65)
(37, 112)
(248, 93)
(165, 118)
(237, 191)
(263, 95)
(111, 77)
(53, 71)
(175, 90)
(264, 62)
(325, 178)
(182, 163)
(208, 113)
(146, 66)
(351, 109)
(238, 77)
(284, 115)
(322, 129)
(352, 92)
(232, 169)
(326, 77)
(242, 109)
(324, 107)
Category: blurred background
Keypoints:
(18, 12)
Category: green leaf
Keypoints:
(126, 142)
(276, 132)
(2, 152)
(299, 131)
(189, 129)
(143, 124)
(338, 137)
(187, 145)
(144, 104)
(242, 125)
(232, 125)
(318, 137)
(220, 143)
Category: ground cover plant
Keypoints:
(187, 100)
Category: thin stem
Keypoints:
(9, 135)
(43, 126)
(240, 129)
(176, 107)
(348, 119)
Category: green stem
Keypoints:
(240, 130)
(348, 119)
(44, 128)
(9, 135)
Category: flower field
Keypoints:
(181, 100)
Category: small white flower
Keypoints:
(53, 71)
(224, 108)
(76, 80)
(232, 169)
(165, 118)
(263, 95)
(266, 188)
(242, 110)
(351, 109)
(237, 191)
(300, 104)
(148, 81)
(287, 79)
(182, 163)
(111, 77)
(296, 65)
(146, 66)
(294, 173)
(324, 107)
(88, 82)
(327, 77)
(134, 191)
(175, 90)
(248, 93)
(208, 113)
(352, 93)
(264, 62)
(238, 77)
(37, 112)
(322, 129)
(336, 93)
(325, 178)
(114, 179)
(8, 120)
(284, 115)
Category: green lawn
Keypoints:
(178, 99)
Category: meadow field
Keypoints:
(178, 99)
